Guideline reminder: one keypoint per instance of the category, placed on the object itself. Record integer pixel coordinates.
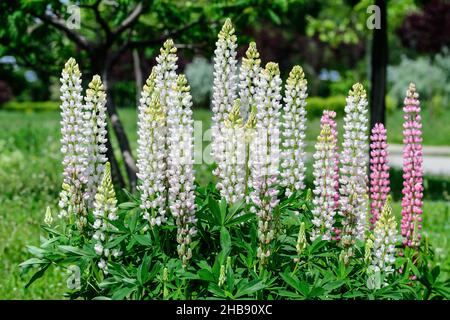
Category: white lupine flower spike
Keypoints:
(180, 170)
(248, 75)
(294, 126)
(384, 238)
(165, 71)
(151, 154)
(224, 87)
(353, 173)
(324, 188)
(105, 210)
(95, 132)
(73, 145)
(265, 156)
(232, 171)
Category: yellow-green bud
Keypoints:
(168, 47)
(71, 67)
(222, 276)
(48, 216)
(368, 251)
(358, 92)
(296, 76)
(301, 239)
(251, 56)
(234, 117)
(227, 31)
(272, 69)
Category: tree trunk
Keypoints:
(119, 131)
(137, 74)
(100, 66)
(379, 68)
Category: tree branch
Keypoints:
(60, 24)
(102, 21)
(130, 20)
(167, 35)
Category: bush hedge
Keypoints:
(316, 105)
(30, 106)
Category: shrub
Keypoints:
(31, 106)
(199, 75)
(316, 105)
(431, 75)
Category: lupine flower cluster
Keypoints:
(83, 137)
(166, 150)
(224, 89)
(353, 172)
(180, 167)
(258, 152)
(412, 170)
(379, 171)
(105, 210)
(72, 141)
(324, 185)
(95, 131)
(233, 170)
(232, 128)
(165, 70)
(248, 75)
(151, 153)
(294, 126)
(383, 241)
(341, 180)
(265, 155)
(328, 118)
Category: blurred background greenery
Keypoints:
(119, 39)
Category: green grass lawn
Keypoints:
(30, 177)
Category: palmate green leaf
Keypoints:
(250, 288)
(116, 241)
(202, 264)
(206, 275)
(77, 251)
(333, 285)
(295, 283)
(52, 231)
(143, 269)
(32, 262)
(223, 210)
(38, 274)
(35, 251)
(128, 205)
(316, 292)
(240, 219)
(144, 240)
(133, 221)
(217, 291)
(290, 294)
(122, 293)
(443, 290)
(215, 210)
(225, 240)
(234, 209)
(316, 246)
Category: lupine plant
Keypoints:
(412, 170)
(353, 171)
(258, 233)
(324, 185)
(379, 171)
